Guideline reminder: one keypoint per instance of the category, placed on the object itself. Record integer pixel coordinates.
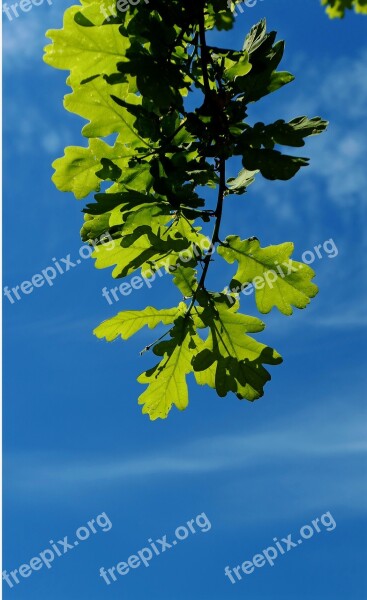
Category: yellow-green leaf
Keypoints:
(278, 280)
(128, 322)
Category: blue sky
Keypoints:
(76, 444)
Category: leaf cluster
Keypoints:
(336, 8)
(177, 110)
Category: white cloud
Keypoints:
(331, 434)
(336, 179)
(23, 41)
(30, 130)
(24, 36)
(342, 319)
(340, 160)
(338, 91)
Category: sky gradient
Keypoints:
(75, 442)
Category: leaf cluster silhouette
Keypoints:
(131, 75)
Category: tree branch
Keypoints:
(215, 237)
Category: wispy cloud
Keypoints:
(331, 435)
(339, 156)
(345, 318)
(30, 129)
(23, 40)
(24, 36)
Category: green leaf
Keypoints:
(280, 132)
(150, 250)
(230, 360)
(94, 12)
(256, 37)
(295, 132)
(129, 198)
(265, 56)
(85, 51)
(77, 170)
(185, 280)
(167, 384)
(143, 215)
(128, 259)
(93, 102)
(272, 164)
(94, 227)
(165, 87)
(278, 280)
(237, 68)
(336, 8)
(128, 322)
(256, 144)
(219, 15)
(239, 184)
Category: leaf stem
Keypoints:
(222, 189)
(147, 348)
(217, 214)
(206, 59)
(215, 237)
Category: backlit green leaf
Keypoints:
(128, 322)
(230, 360)
(85, 51)
(278, 280)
